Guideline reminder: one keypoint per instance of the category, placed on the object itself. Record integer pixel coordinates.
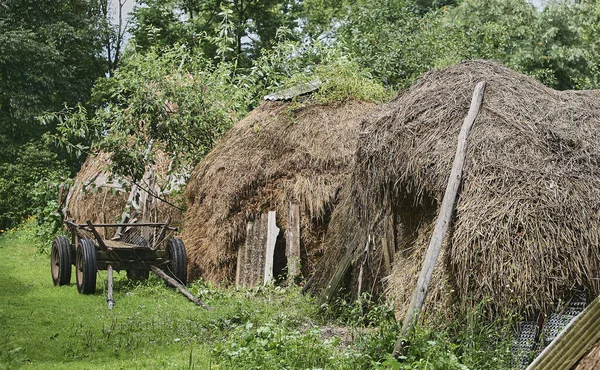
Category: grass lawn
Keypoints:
(151, 326)
(48, 327)
(154, 327)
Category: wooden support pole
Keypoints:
(175, 284)
(444, 218)
(161, 234)
(109, 298)
(272, 232)
(292, 242)
(98, 237)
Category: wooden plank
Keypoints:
(272, 233)
(161, 234)
(95, 232)
(387, 262)
(292, 242)
(573, 341)
(175, 284)
(251, 270)
(443, 220)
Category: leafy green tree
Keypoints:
(50, 54)
(194, 23)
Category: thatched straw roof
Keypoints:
(99, 196)
(280, 152)
(526, 228)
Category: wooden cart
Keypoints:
(135, 247)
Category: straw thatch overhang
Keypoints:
(281, 152)
(526, 228)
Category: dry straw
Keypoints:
(526, 226)
(280, 152)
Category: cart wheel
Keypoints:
(85, 266)
(177, 260)
(60, 261)
(138, 275)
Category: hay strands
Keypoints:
(444, 218)
(175, 284)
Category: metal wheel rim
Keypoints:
(55, 262)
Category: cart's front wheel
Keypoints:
(177, 260)
(85, 265)
(60, 261)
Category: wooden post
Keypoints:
(109, 298)
(272, 232)
(241, 256)
(292, 242)
(442, 222)
(175, 284)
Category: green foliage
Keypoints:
(51, 54)
(399, 42)
(172, 98)
(29, 184)
(254, 25)
(153, 327)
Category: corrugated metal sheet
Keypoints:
(298, 90)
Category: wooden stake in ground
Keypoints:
(292, 242)
(442, 222)
(109, 299)
(272, 232)
(175, 284)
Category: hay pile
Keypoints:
(280, 152)
(526, 228)
(100, 197)
(591, 360)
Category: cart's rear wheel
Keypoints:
(60, 261)
(138, 275)
(85, 266)
(177, 260)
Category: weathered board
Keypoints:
(252, 267)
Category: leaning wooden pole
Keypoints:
(175, 284)
(444, 218)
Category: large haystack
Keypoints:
(526, 228)
(99, 196)
(280, 152)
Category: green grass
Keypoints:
(154, 327)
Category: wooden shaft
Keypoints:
(175, 284)
(444, 218)
(161, 234)
(109, 299)
(98, 237)
(153, 224)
